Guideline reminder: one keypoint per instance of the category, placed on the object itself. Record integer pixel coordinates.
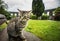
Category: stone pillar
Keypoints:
(17, 14)
(50, 15)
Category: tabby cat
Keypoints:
(16, 25)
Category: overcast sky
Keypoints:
(27, 4)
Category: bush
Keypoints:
(57, 17)
(33, 16)
(13, 16)
(57, 14)
(8, 16)
(45, 16)
(57, 11)
(6, 13)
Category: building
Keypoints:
(50, 5)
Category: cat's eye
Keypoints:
(23, 11)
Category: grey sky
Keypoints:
(27, 4)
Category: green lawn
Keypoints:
(4, 25)
(46, 30)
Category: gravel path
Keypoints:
(29, 36)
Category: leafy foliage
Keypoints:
(57, 14)
(33, 16)
(44, 17)
(3, 10)
(37, 7)
(57, 11)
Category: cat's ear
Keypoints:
(30, 11)
(19, 10)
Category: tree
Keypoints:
(57, 11)
(57, 14)
(3, 9)
(37, 7)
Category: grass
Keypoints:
(4, 25)
(46, 30)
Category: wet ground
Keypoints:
(29, 36)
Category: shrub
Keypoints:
(57, 14)
(57, 17)
(45, 16)
(13, 16)
(57, 11)
(33, 16)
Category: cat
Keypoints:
(16, 25)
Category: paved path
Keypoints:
(29, 36)
(3, 35)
